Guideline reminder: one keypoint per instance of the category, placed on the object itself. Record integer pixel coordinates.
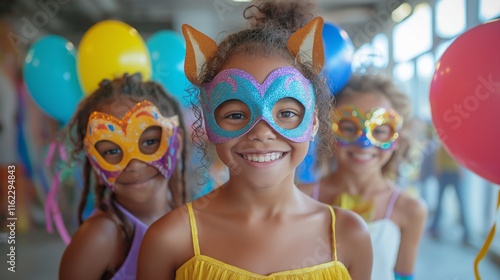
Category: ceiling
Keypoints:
(71, 18)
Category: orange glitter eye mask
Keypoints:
(126, 133)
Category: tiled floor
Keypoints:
(38, 254)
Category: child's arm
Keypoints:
(92, 250)
(412, 228)
(166, 246)
(354, 246)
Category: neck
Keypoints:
(149, 210)
(358, 183)
(261, 201)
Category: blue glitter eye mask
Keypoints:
(236, 84)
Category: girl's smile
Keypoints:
(362, 157)
(263, 157)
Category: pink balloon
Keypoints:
(465, 100)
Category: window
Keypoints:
(381, 45)
(404, 71)
(489, 9)
(372, 57)
(425, 71)
(450, 18)
(425, 65)
(413, 36)
(403, 74)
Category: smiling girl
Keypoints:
(262, 102)
(131, 133)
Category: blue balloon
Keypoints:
(338, 56)
(168, 51)
(306, 172)
(50, 75)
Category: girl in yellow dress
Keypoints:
(262, 102)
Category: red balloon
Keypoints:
(465, 100)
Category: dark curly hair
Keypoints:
(271, 24)
(133, 87)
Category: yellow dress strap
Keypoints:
(334, 243)
(194, 229)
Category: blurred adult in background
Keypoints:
(449, 173)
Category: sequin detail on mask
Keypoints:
(126, 133)
(365, 124)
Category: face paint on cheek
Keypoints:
(236, 84)
(126, 134)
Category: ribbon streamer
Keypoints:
(487, 243)
(52, 212)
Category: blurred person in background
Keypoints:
(449, 172)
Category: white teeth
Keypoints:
(263, 157)
(362, 156)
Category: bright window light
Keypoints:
(489, 9)
(413, 36)
(425, 65)
(401, 12)
(450, 18)
(404, 71)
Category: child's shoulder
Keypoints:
(349, 221)
(99, 230)
(346, 221)
(170, 233)
(352, 238)
(97, 246)
(173, 224)
(173, 229)
(410, 207)
(409, 212)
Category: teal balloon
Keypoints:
(50, 75)
(167, 50)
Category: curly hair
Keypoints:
(133, 87)
(271, 24)
(369, 84)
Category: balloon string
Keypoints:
(487, 243)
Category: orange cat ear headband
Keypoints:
(306, 44)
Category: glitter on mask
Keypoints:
(236, 84)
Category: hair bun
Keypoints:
(282, 14)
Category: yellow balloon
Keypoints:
(108, 50)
